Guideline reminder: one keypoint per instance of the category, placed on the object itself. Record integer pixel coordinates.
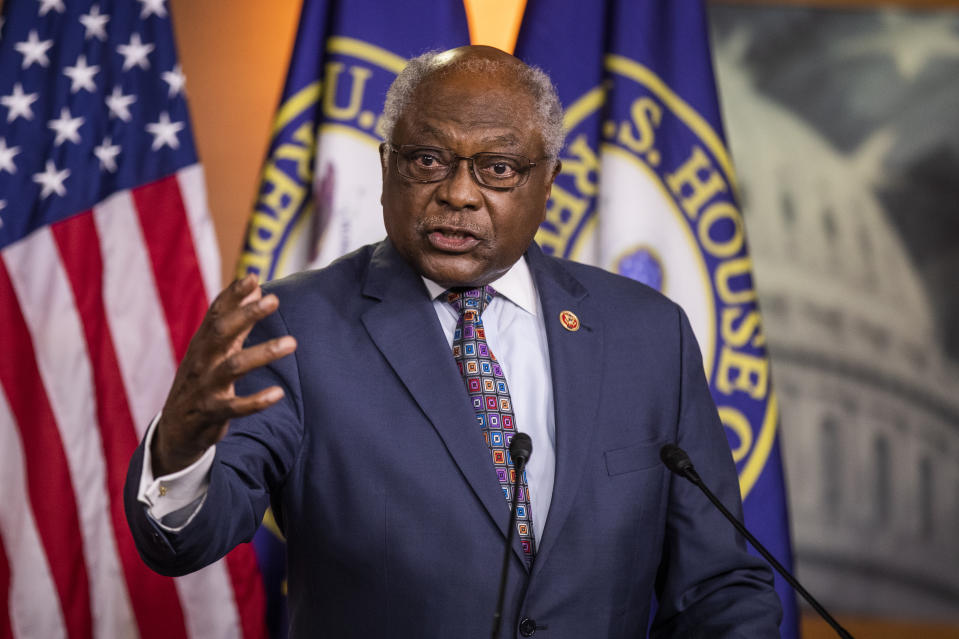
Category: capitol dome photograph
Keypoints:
(843, 128)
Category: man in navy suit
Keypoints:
(335, 398)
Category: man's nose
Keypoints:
(459, 190)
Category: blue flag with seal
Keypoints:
(647, 188)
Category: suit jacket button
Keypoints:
(527, 627)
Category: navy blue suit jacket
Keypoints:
(394, 518)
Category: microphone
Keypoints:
(677, 461)
(520, 450)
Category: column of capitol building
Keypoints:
(869, 404)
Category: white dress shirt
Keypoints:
(516, 335)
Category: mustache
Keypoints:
(433, 222)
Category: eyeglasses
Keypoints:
(425, 164)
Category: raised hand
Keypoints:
(202, 399)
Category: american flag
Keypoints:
(107, 262)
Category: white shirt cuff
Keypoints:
(174, 500)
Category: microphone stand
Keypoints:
(510, 535)
(678, 462)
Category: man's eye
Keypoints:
(499, 167)
(426, 159)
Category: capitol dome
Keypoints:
(869, 405)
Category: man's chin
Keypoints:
(452, 271)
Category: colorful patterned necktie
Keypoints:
(486, 385)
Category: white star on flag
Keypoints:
(119, 104)
(152, 7)
(18, 103)
(175, 79)
(51, 180)
(94, 24)
(47, 5)
(67, 127)
(6, 156)
(81, 76)
(135, 53)
(3, 205)
(107, 154)
(34, 50)
(164, 132)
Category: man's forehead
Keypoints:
(497, 134)
(488, 108)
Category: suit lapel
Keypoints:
(404, 327)
(576, 363)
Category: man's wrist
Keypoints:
(173, 499)
(166, 458)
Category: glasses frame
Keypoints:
(396, 150)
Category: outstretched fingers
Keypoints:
(249, 404)
(235, 311)
(245, 360)
(202, 399)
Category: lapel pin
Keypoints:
(569, 320)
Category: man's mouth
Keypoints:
(452, 239)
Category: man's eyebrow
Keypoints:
(506, 139)
(426, 129)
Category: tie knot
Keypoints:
(464, 299)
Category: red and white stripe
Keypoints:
(23, 547)
(95, 313)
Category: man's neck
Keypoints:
(516, 285)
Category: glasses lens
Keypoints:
(502, 171)
(423, 163)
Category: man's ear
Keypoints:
(552, 175)
(384, 164)
(551, 179)
(384, 157)
(556, 170)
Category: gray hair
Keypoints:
(549, 110)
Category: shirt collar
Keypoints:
(516, 285)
